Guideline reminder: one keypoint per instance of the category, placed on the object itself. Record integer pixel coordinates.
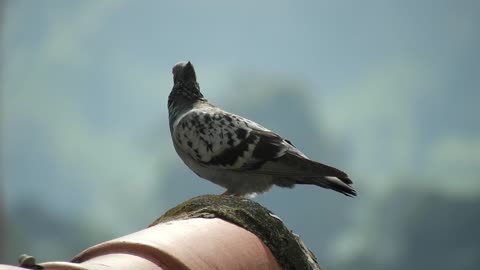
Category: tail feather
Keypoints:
(293, 165)
(293, 168)
(333, 183)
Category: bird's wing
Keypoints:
(222, 140)
(216, 138)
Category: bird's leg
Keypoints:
(220, 196)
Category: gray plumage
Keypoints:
(234, 152)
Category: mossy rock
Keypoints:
(288, 248)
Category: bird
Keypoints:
(234, 152)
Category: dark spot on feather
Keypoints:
(241, 133)
(189, 144)
(207, 118)
(230, 155)
(268, 146)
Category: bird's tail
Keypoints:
(306, 171)
(341, 185)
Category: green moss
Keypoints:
(287, 247)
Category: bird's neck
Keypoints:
(183, 98)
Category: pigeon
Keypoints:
(234, 152)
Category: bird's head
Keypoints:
(183, 72)
(185, 90)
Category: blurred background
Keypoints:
(388, 91)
